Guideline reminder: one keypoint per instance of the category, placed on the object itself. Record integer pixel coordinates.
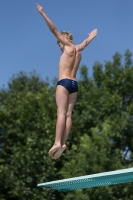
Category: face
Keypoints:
(60, 45)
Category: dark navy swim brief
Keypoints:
(69, 84)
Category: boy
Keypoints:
(67, 87)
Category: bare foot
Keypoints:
(59, 152)
(54, 148)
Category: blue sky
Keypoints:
(26, 44)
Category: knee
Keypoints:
(69, 114)
(61, 112)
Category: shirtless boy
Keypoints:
(67, 87)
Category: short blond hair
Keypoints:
(67, 35)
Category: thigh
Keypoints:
(62, 98)
(71, 101)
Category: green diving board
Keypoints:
(89, 181)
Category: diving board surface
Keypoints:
(89, 181)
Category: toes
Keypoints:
(59, 152)
(53, 150)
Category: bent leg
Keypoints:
(61, 101)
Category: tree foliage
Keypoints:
(101, 137)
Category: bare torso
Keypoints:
(69, 62)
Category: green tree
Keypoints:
(103, 126)
(101, 137)
(27, 126)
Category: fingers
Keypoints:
(38, 6)
(93, 33)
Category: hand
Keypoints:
(93, 33)
(39, 8)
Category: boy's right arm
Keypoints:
(92, 35)
(52, 27)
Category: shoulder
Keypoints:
(70, 46)
(78, 48)
(70, 49)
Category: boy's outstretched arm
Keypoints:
(51, 26)
(92, 35)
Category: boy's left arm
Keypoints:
(92, 35)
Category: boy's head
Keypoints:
(67, 35)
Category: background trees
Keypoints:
(101, 137)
